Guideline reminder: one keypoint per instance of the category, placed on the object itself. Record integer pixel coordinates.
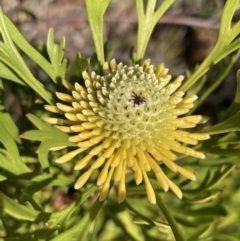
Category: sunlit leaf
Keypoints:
(95, 11)
(56, 54)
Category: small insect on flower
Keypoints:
(128, 118)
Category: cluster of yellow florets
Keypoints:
(128, 118)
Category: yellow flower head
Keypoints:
(128, 118)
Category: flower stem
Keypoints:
(176, 231)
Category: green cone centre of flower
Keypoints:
(136, 105)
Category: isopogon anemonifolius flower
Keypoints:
(128, 118)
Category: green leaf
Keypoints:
(223, 47)
(210, 210)
(138, 214)
(223, 236)
(57, 68)
(203, 234)
(124, 221)
(5, 118)
(229, 125)
(176, 230)
(77, 67)
(49, 137)
(12, 162)
(230, 138)
(235, 106)
(21, 42)
(222, 152)
(220, 175)
(8, 73)
(18, 211)
(147, 21)
(60, 218)
(41, 125)
(10, 57)
(221, 76)
(56, 54)
(39, 235)
(53, 180)
(80, 230)
(95, 12)
(227, 16)
(15, 168)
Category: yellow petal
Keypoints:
(52, 108)
(193, 118)
(162, 181)
(85, 75)
(189, 151)
(107, 143)
(170, 164)
(122, 186)
(181, 123)
(57, 121)
(57, 148)
(98, 162)
(190, 99)
(109, 151)
(88, 112)
(103, 174)
(100, 123)
(135, 165)
(129, 158)
(142, 157)
(119, 172)
(85, 144)
(66, 108)
(97, 131)
(77, 106)
(159, 173)
(81, 117)
(106, 68)
(138, 176)
(96, 150)
(75, 138)
(84, 96)
(159, 70)
(105, 188)
(116, 159)
(199, 136)
(68, 85)
(175, 189)
(83, 179)
(78, 87)
(188, 140)
(83, 162)
(65, 97)
(85, 104)
(65, 129)
(149, 189)
(121, 154)
(86, 135)
(88, 125)
(155, 153)
(70, 155)
(77, 128)
(121, 192)
(167, 153)
(77, 96)
(186, 173)
(71, 117)
(96, 139)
